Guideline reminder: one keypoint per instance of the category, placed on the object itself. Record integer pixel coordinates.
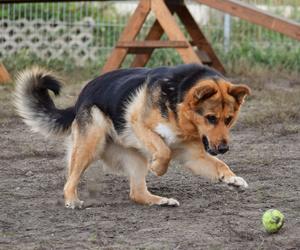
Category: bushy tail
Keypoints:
(35, 106)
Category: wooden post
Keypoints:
(198, 37)
(173, 31)
(155, 33)
(4, 75)
(129, 34)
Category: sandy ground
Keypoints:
(211, 216)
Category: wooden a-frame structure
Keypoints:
(199, 49)
(196, 51)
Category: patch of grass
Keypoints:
(64, 66)
(248, 57)
(271, 106)
(57, 11)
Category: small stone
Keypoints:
(29, 173)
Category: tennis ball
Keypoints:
(272, 220)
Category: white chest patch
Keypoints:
(166, 132)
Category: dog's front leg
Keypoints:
(201, 163)
(154, 144)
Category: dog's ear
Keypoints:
(204, 92)
(239, 92)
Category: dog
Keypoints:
(138, 119)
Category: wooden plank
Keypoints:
(155, 33)
(173, 31)
(152, 44)
(4, 75)
(198, 37)
(129, 34)
(255, 15)
(139, 51)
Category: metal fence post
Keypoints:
(227, 31)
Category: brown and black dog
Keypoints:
(139, 119)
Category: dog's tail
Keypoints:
(34, 104)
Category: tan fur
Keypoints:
(85, 145)
(201, 163)
(222, 105)
(142, 124)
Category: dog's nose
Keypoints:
(223, 148)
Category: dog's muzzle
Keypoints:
(222, 148)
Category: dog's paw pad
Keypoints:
(236, 181)
(169, 202)
(74, 204)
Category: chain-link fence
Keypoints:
(87, 31)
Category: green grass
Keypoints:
(57, 11)
(241, 59)
(245, 56)
(274, 103)
(65, 66)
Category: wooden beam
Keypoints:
(137, 52)
(255, 15)
(198, 37)
(155, 33)
(152, 44)
(130, 32)
(171, 28)
(4, 75)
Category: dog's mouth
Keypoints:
(206, 146)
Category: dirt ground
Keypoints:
(265, 150)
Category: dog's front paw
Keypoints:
(74, 204)
(236, 181)
(168, 202)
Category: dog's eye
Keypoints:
(212, 119)
(228, 120)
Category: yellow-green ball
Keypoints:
(272, 220)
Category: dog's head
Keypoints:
(210, 109)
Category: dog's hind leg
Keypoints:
(88, 139)
(136, 167)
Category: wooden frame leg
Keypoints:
(165, 22)
(155, 33)
(130, 32)
(173, 31)
(4, 75)
(197, 35)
